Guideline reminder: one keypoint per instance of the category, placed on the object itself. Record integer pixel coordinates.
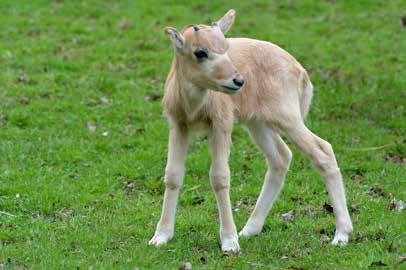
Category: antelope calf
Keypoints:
(214, 81)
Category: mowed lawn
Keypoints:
(83, 139)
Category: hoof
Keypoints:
(341, 238)
(160, 238)
(250, 229)
(230, 244)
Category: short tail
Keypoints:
(306, 94)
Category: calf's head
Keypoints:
(202, 54)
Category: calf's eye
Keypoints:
(201, 54)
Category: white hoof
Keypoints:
(230, 244)
(160, 238)
(341, 238)
(250, 229)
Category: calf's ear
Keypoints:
(176, 37)
(226, 21)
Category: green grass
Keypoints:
(73, 199)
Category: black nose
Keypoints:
(238, 82)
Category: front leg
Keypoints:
(174, 172)
(220, 181)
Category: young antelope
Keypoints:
(214, 81)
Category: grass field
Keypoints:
(83, 139)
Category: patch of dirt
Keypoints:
(64, 213)
(129, 186)
(24, 101)
(91, 126)
(328, 208)
(396, 205)
(125, 24)
(198, 200)
(245, 203)
(289, 216)
(186, 266)
(402, 258)
(24, 79)
(377, 192)
(354, 208)
(2, 120)
(357, 178)
(296, 268)
(154, 97)
(395, 159)
(356, 174)
(203, 259)
(377, 263)
(104, 101)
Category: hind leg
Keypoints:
(278, 157)
(322, 155)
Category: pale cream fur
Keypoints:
(274, 99)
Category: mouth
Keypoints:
(230, 89)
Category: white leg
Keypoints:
(174, 172)
(220, 181)
(322, 155)
(278, 156)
